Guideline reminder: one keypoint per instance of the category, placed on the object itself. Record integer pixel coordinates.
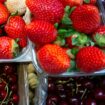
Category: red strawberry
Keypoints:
(90, 59)
(22, 42)
(48, 10)
(53, 59)
(41, 32)
(90, 2)
(2, 1)
(15, 28)
(86, 18)
(8, 48)
(4, 14)
(72, 3)
(99, 36)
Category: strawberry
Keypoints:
(41, 32)
(22, 42)
(86, 18)
(4, 14)
(72, 3)
(2, 1)
(15, 28)
(53, 59)
(99, 36)
(8, 48)
(90, 2)
(48, 10)
(90, 59)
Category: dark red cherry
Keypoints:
(74, 101)
(2, 85)
(15, 98)
(51, 86)
(8, 69)
(90, 101)
(3, 94)
(99, 94)
(12, 79)
(52, 100)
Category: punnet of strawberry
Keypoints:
(68, 35)
(12, 32)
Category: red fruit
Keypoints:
(2, 86)
(2, 1)
(48, 10)
(15, 28)
(8, 47)
(86, 18)
(41, 32)
(8, 69)
(3, 94)
(72, 3)
(99, 36)
(4, 14)
(15, 98)
(90, 2)
(53, 59)
(14, 88)
(22, 42)
(12, 79)
(90, 59)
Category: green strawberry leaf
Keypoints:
(56, 25)
(69, 32)
(87, 1)
(59, 41)
(66, 20)
(62, 31)
(100, 39)
(74, 51)
(73, 66)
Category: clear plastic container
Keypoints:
(24, 56)
(23, 85)
(39, 69)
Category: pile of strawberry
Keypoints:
(68, 35)
(12, 33)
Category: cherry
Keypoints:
(63, 103)
(88, 84)
(51, 86)
(15, 98)
(99, 94)
(10, 103)
(12, 79)
(60, 88)
(3, 94)
(74, 101)
(90, 101)
(52, 100)
(2, 85)
(8, 69)
(14, 88)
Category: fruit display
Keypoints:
(13, 37)
(32, 81)
(68, 35)
(84, 90)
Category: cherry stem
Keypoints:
(84, 93)
(7, 89)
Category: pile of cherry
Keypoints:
(8, 84)
(76, 91)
